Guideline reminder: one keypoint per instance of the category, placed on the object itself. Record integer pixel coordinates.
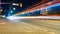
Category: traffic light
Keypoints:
(21, 4)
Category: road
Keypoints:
(47, 25)
(29, 26)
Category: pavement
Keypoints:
(29, 26)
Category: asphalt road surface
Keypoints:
(29, 26)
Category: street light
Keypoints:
(15, 4)
(14, 8)
(11, 12)
(1, 10)
(3, 16)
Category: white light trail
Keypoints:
(40, 17)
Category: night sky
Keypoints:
(26, 4)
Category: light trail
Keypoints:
(40, 3)
(38, 7)
(57, 4)
(40, 17)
